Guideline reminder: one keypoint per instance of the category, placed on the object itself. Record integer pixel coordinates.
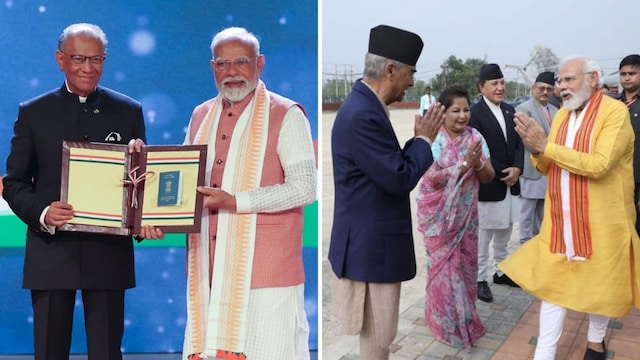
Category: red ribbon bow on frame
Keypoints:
(133, 181)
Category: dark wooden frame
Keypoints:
(131, 218)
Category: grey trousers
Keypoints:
(500, 242)
(531, 213)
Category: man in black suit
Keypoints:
(498, 200)
(630, 82)
(57, 263)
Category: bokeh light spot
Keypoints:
(142, 43)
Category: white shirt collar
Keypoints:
(82, 99)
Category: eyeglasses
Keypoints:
(569, 79)
(544, 89)
(240, 63)
(81, 59)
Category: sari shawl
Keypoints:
(448, 219)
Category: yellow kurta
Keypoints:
(608, 283)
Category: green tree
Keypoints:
(455, 71)
(335, 90)
(416, 91)
(515, 91)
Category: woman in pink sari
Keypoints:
(448, 219)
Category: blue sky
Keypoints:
(502, 31)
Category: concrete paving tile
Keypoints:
(568, 338)
(628, 334)
(505, 327)
(563, 352)
(500, 290)
(632, 321)
(490, 341)
(519, 303)
(484, 310)
(508, 314)
(428, 357)
(415, 344)
(437, 348)
(413, 313)
(491, 345)
(584, 327)
(329, 353)
(340, 346)
(524, 331)
(530, 318)
(518, 347)
(572, 324)
(405, 327)
(350, 356)
(624, 348)
(502, 356)
(614, 324)
(492, 325)
(423, 331)
(520, 295)
(535, 306)
(476, 353)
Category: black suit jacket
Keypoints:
(371, 238)
(67, 260)
(504, 153)
(634, 114)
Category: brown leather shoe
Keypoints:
(484, 293)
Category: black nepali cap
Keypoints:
(395, 44)
(546, 77)
(490, 72)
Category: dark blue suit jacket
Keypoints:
(371, 239)
(504, 153)
(67, 260)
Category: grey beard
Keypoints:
(579, 97)
(234, 95)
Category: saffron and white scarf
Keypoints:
(216, 317)
(575, 242)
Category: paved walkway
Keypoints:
(511, 320)
(163, 356)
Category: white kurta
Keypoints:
(495, 215)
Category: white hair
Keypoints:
(235, 33)
(374, 65)
(90, 30)
(590, 65)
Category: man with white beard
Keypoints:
(245, 276)
(586, 256)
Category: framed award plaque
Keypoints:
(115, 192)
